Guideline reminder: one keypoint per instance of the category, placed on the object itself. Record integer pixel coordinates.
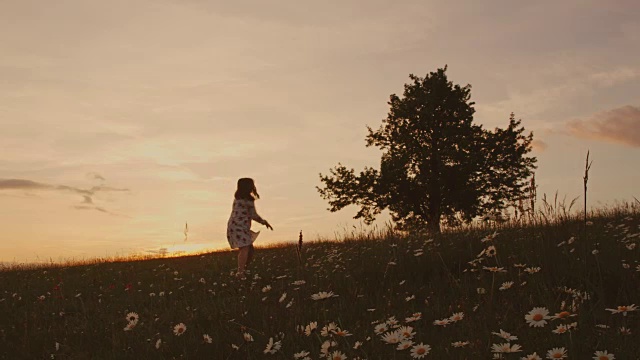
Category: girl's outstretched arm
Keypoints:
(256, 217)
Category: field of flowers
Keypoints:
(559, 290)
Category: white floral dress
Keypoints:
(239, 231)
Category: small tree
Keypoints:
(436, 164)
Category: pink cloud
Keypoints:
(621, 125)
(539, 145)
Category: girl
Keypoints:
(239, 225)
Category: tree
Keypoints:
(436, 164)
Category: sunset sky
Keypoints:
(122, 120)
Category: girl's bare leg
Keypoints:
(250, 255)
(243, 254)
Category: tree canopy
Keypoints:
(436, 163)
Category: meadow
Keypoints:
(552, 287)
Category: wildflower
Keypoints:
(179, 329)
(595, 252)
(130, 326)
(537, 317)
(419, 351)
(459, 344)
(300, 354)
(309, 328)
(505, 348)
(357, 345)
(603, 355)
(380, 328)
(532, 270)
(342, 332)
(631, 246)
(272, 347)
(247, 337)
(481, 291)
(392, 321)
(409, 298)
(158, 343)
(506, 285)
(406, 332)
(266, 288)
(323, 295)
(519, 265)
(490, 251)
(505, 335)
(404, 345)
(298, 282)
(443, 322)
(206, 338)
(283, 297)
(337, 355)
(415, 317)
(533, 356)
(561, 329)
(494, 269)
(456, 317)
(625, 331)
(133, 317)
(557, 353)
(202, 281)
(330, 328)
(623, 309)
(392, 337)
(562, 315)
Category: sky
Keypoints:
(120, 121)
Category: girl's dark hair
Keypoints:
(246, 190)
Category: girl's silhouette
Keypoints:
(239, 231)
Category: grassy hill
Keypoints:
(386, 294)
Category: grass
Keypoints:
(80, 311)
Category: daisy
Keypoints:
(272, 347)
(419, 351)
(505, 348)
(337, 355)
(247, 337)
(406, 332)
(532, 270)
(506, 285)
(158, 343)
(207, 338)
(490, 251)
(494, 269)
(357, 345)
(266, 288)
(298, 282)
(283, 297)
(563, 315)
(342, 332)
(561, 329)
(533, 356)
(309, 328)
(624, 309)
(328, 329)
(557, 353)
(537, 317)
(459, 344)
(130, 326)
(505, 335)
(603, 355)
(300, 354)
(456, 317)
(625, 331)
(179, 329)
(404, 345)
(323, 295)
(133, 317)
(415, 317)
(392, 337)
(443, 322)
(380, 328)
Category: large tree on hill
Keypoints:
(436, 164)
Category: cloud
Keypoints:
(87, 195)
(539, 145)
(621, 125)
